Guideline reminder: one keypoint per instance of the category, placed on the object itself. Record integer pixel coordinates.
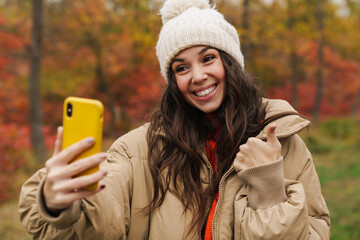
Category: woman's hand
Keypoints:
(256, 152)
(61, 188)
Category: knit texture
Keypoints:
(267, 184)
(189, 23)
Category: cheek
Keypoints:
(182, 85)
(221, 73)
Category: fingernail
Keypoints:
(103, 156)
(105, 172)
(102, 186)
(90, 140)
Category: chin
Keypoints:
(209, 110)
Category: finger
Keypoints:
(100, 186)
(84, 164)
(59, 172)
(76, 184)
(239, 158)
(79, 194)
(244, 148)
(58, 141)
(63, 200)
(271, 136)
(237, 165)
(69, 153)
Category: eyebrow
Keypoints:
(182, 60)
(205, 49)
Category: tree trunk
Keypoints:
(104, 86)
(245, 26)
(355, 105)
(36, 119)
(294, 60)
(319, 76)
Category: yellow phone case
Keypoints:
(83, 118)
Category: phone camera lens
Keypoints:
(69, 110)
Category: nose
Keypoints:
(198, 74)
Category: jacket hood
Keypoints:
(287, 125)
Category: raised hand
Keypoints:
(61, 188)
(256, 152)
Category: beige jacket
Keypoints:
(114, 212)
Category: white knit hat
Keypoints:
(189, 23)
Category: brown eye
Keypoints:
(180, 69)
(208, 58)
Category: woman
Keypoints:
(208, 166)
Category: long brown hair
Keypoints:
(177, 133)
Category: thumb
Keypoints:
(271, 137)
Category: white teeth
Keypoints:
(205, 92)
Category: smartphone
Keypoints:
(83, 118)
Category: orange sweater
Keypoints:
(210, 152)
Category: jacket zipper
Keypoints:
(221, 184)
(208, 205)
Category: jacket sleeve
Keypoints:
(299, 213)
(101, 216)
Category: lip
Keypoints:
(204, 87)
(208, 97)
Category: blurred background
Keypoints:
(304, 51)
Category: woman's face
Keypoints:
(200, 77)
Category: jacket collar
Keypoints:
(287, 125)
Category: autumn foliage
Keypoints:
(106, 50)
(341, 78)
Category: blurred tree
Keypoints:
(294, 59)
(14, 107)
(245, 26)
(341, 78)
(345, 21)
(93, 45)
(112, 38)
(319, 76)
(356, 103)
(280, 32)
(354, 16)
(36, 121)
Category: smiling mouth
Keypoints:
(205, 92)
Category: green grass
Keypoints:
(10, 227)
(340, 179)
(335, 145)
